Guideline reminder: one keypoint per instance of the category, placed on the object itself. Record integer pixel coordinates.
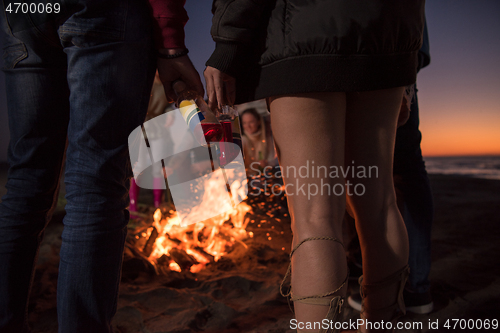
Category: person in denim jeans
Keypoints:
(78, 82)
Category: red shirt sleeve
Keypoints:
(170, 18)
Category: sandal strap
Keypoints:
(335, 303)
(310, 300)
(318, 299)
(334, 311)
(397, 276)
(289, 270)
(400, 276)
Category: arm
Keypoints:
(233, 28)
(170, 18)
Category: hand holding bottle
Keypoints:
(221, 88)
(178, 68)
(200, 119)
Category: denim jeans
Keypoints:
(415, 199)
(81, 81)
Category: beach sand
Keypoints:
(240, 293)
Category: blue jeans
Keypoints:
(79, 80)
(414, 199)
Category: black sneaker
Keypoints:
(420, 303)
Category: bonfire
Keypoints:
(159, 238)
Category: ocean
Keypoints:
(473, 166)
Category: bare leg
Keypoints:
(309, 130)
(370, 134)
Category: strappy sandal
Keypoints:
(398, 307)
(335, 303)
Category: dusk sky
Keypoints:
(459, 92)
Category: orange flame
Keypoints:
(213, 236)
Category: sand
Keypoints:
(240, 293)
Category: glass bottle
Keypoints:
(229, 119)
(195, 111)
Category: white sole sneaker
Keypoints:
(354, 302)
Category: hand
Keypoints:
(221, 88)
(178, 68)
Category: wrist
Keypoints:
(224, 57)
(172, 53)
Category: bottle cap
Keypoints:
(178, 86)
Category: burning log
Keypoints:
(137, 262)
(163, 260)
(148, 247)
(173, 240)
(202, 252)
(184, 260)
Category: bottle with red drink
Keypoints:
(195, 111)
(229, 119)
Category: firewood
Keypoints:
(184, 260)
(148, 247)
(203, 253)
(163, 260)
(142, 257)
(174, 240)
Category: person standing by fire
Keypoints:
(334, 75)
(258, 145)
(78, 75)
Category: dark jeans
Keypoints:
(414, 199)
(82, 80)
